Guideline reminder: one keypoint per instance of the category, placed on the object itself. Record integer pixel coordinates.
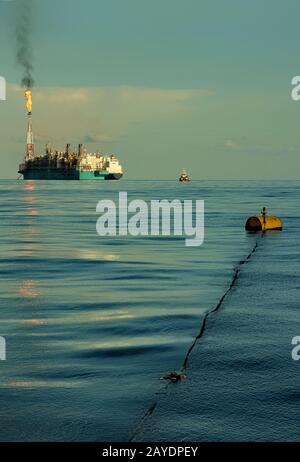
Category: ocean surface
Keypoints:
(92, 323)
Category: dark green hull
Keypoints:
(67, 174)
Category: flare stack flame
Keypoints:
(28, 101)
(30, 144)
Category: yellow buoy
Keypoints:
(263, 222)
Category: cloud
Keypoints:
(97, 138)
(103, 114)
(61, 95)
(230, 144)
(124, 95)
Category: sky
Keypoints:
(163, 84)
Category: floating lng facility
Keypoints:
(65, 165)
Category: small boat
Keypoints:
(184, 176)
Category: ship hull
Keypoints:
(68, 174)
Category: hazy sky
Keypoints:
(165, 84)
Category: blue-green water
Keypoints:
(92, 323)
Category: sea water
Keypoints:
(93, 322)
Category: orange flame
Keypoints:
(29, 100)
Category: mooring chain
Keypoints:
(174, 377)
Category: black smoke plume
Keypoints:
(23, 39)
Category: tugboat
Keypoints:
(184, 176)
